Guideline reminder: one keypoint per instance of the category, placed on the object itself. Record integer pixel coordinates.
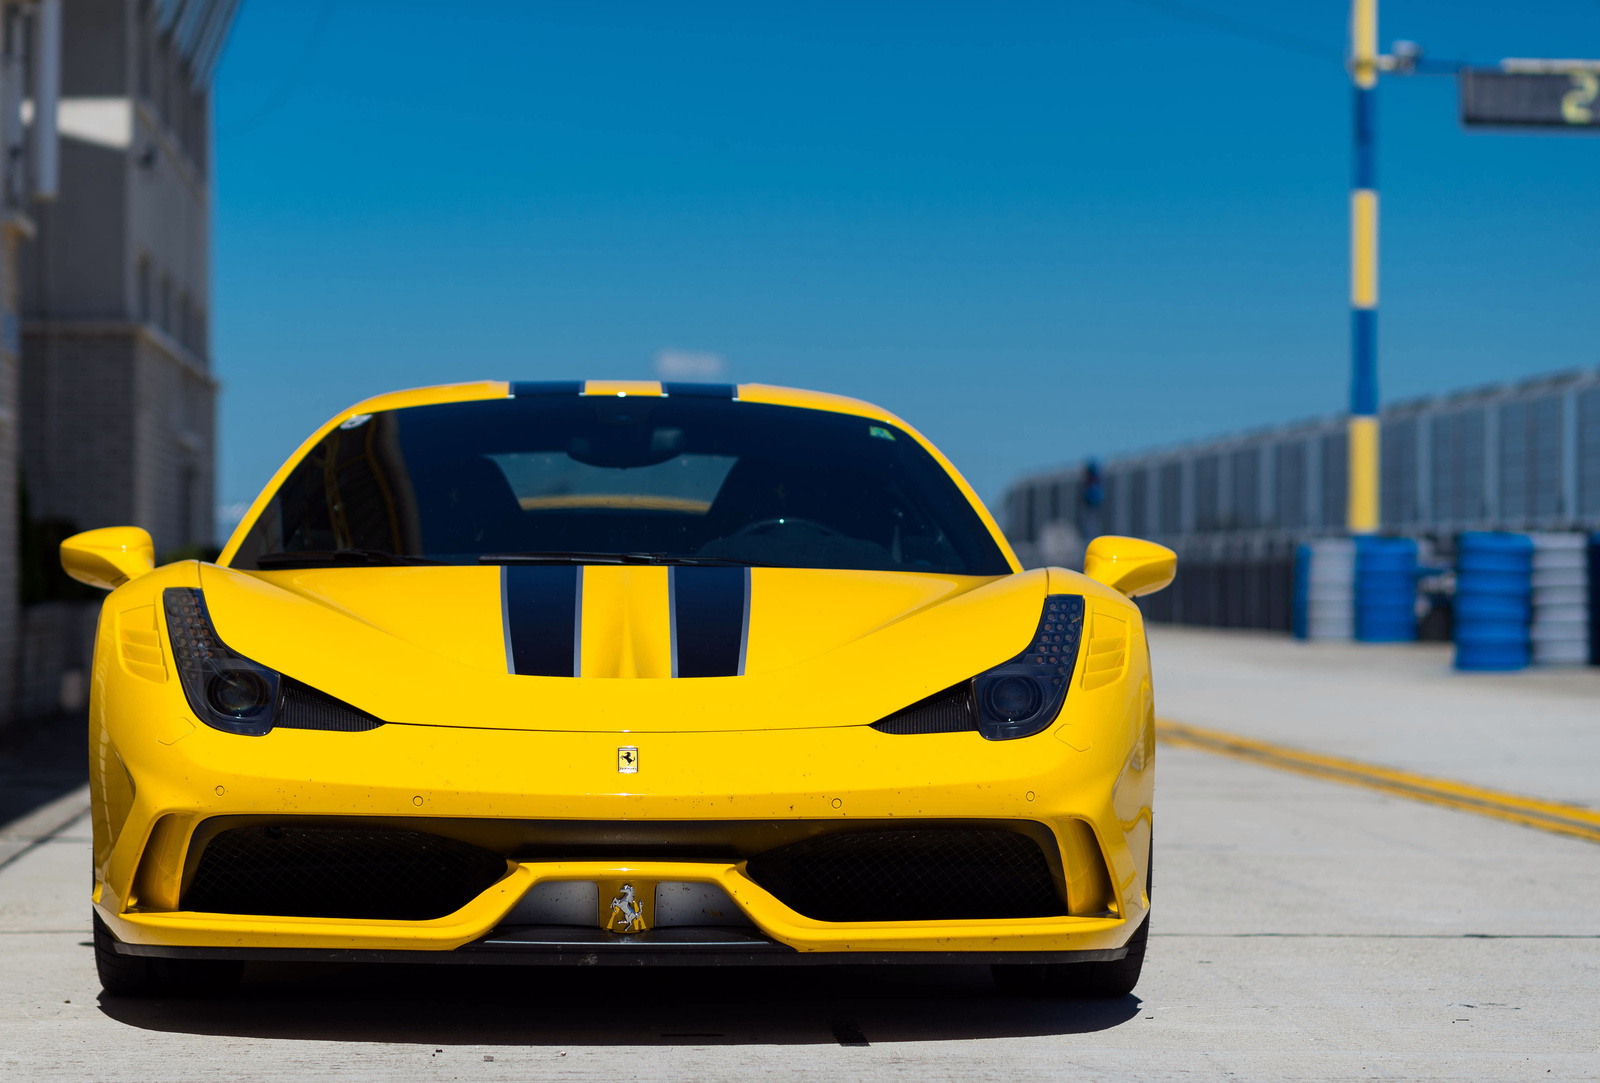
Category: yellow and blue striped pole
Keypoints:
(1362, 510)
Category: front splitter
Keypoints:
(576, 945)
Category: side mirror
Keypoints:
(108, 557)
(1131, 565)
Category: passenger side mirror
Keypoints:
(1132, 565)
(108, 557)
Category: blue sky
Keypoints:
(1037, 231)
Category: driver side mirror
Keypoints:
(1132, 565)
(108, 557)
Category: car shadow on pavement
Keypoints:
(539, 1006)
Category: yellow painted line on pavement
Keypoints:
(1554, 816)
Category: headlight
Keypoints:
(229, 692)
(1021, 697)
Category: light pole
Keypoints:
(1361, 515)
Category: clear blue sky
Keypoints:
(1035, 230)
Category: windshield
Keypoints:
(644, 478)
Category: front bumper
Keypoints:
(1080, 781)
(474, 926)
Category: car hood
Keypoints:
(428, 645)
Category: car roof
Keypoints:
(495, 389)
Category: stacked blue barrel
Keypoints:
(1494, 598)
(1386, 590)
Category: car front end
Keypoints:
(543, 755)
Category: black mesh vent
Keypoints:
(950, 711)
(305, 708)
(930, 874)
(339, 872)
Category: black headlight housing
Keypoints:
(1023, 696)
(1017, 698)
(229, 692)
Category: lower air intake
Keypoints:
(339, 872)
(936, 874)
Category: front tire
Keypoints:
(138, 976)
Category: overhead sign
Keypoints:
(1536, 99)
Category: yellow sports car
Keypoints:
(619, 672)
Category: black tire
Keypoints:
(1082, 981)
(138, 976)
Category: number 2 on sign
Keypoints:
(1575, 102)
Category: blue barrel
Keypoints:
(1386, 590)
(1494, 600)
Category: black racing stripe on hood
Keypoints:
(710, 620)
(541, 606)
(700, 391)
(523, 388)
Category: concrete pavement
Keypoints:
(1535, 732)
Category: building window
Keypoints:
(188, 502)
(1335, 480)
(1171, 498)
(1530, 459)
(1207, 493)
(145, 20)
(1544, 454)
(1138, 502)
(1398, 469)
(143, 287)
(1456, 453)
(1589, 452)
(1110, 504)
(1247, 488)
(1290, 477)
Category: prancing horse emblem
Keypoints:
(627, 915)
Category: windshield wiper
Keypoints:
(574, 556)
(313, 558)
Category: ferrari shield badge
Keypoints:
(628, 760)
(627, 912)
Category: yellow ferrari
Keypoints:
(619, 672)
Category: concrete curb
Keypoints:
(42, 824)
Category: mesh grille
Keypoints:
(950, 711)
(339, 872)
(913, 875)
(305, 708)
